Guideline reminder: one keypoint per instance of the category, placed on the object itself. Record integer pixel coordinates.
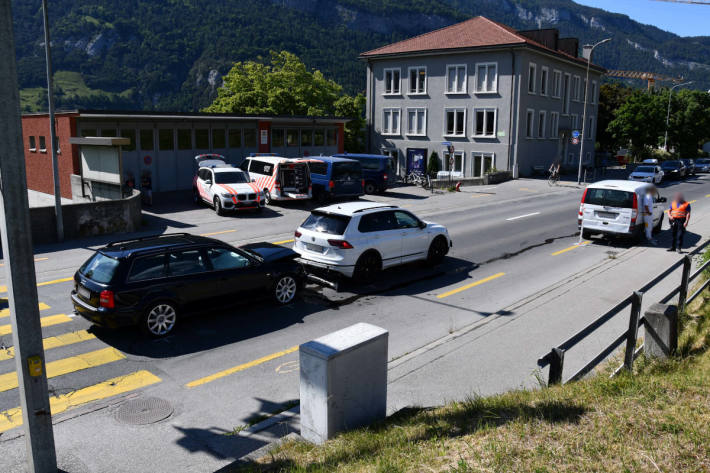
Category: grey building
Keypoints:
(504, 99)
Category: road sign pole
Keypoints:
(19, 264)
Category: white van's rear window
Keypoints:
(610, 198)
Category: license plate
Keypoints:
(315, 248)
(606, 214)
(84, 292)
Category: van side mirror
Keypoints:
(422, 225)
(208, 182)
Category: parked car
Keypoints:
(377, 170)
(673, 169)
(702, 165)
(335, 178)
(154, 282)
(689, 167)
(612, 208)
(647, 173)
(358, 239)
(650, 161)
(279, 178)
(224, 186)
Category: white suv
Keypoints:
(224, 186)
(358, 239)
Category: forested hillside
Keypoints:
(171, 54)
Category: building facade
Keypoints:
(503, 99)
(163, 145)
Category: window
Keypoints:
(482, 163)
(593, 92)
(108, 132)
(541, 123)
(416, 121)
(574, 122)
(390, 121)
(530, 124)
(147, 140)
(484, 122)
(405, 220)
(250, 137)
(590, 128)
(566, 93)
(235, 138)
(455, 124)
(327, 223)
(319, 137)
(417, 80)
(292, 137)
(543, 80)
(222, 258)
(99, 268)
(318, 167)
(575, 89)
(306, 137)
(42, 144)
(487, 78)
(218, 138)
(231, 177)
(377, 222)
(532, 78)
(184, 139)
(554, 125)
(182, 263)
(392, 81)
(277, 137)
(33, 144)
(556, 84)
(261, 167)
(456, 79)
(202, 138)
(332, 137)
(148, 267)
(458, 165)
(588, 158)
(88, 132)
(165, 139)
(131, 135)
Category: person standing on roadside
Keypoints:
(647, 213)
(679, 215)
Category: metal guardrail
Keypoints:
(555, 358)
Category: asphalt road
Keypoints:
(510, 242)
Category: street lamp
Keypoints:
(586, 100)
(668, 114)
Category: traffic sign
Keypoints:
(575, 134)
(575, 141)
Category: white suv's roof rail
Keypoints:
(376, 207)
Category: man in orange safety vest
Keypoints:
(679, 216)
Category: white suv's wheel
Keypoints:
(367, 267)
(437, 251)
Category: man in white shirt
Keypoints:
(647, 213)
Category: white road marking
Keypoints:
(522, 216)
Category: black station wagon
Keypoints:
(154, 281)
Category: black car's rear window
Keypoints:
(609, 198)
(99, 268)
(326, 223)
(347, 170)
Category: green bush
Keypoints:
(433, 166)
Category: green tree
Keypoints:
(640, 122)
(611, 98)
(433, 166)
(689, 125)
(353, 108)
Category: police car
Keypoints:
(224, 186)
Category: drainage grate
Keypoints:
(144, 411)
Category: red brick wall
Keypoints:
(39, 164)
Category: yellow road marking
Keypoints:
(44, 321)
(480, 195)
(53, 342)
(13, 417)
(469, 286)
(707, 195)
(64, 366)
(692, 201)
(282, 242)
(238, 368)
(576, 245)
(6, 312)
(37, 260)
(217, 233)
(45, 283)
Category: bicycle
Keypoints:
(554, 178)
(416, 177)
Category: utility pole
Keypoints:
(52, 126)
(19, 264)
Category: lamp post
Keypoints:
(668, 113)
(586, 100)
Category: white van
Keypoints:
(613, 208)
(279, 178)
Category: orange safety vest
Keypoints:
(679, 211)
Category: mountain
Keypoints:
(171, 54)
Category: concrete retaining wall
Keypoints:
(87, 219)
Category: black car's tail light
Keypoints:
(106, 299)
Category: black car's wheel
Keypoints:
(285, 289)
(219, 210)
(437, 250)
(196, 198)
(370, 188)
(367, 267)
(160, 319)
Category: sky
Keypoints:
(681, 19)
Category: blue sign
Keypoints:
(575, 134)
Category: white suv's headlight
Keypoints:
(226, 196)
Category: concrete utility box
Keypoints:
(343, 381)
(660, 331)
(101, 166)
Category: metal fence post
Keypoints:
(683, 293)
(557, 361)
(632, 334)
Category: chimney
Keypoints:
(546, 37)
(569, 46)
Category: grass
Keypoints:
(656, 420)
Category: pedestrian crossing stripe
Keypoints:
(64, 366)
(44, 322)
(13, 417)
(6, 312)
(53, 342)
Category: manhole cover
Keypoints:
(144, 411)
